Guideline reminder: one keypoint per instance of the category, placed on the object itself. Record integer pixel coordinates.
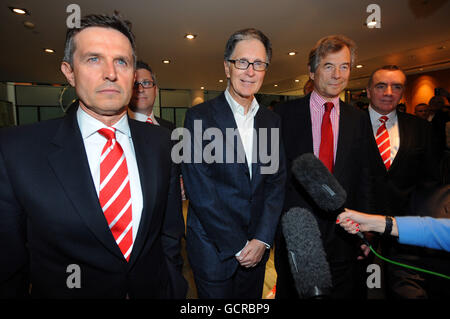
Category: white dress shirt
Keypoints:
(94, 143)
(391, 126)
(141, 117)
(244, 124)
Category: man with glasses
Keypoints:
(234, 206)
(401, 160)
(144, 95)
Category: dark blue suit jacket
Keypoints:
(226, 207)
(50, 216)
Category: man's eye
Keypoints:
(93, 59)
(122, 62)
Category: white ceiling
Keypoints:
(414, 34)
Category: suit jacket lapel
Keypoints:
(70, 164)
(403, 141)
(147, 162)
(344, 140)
(224, 119)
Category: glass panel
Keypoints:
(27, 114)
(50, 112)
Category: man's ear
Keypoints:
(311, 74)
(226, 65)
(67, 70)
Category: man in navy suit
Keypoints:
(234, 204)
(54, 232)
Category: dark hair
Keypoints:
(246, 34)
(142, 65)
(330, 44)
(389, 67)
(98, 20)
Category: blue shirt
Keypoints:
(424, 231)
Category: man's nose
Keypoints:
(109, 71)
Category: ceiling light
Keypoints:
(220, 81)
(19, 11)
(49, 50)
(292, 53)
(359, 66)
(28, 24)
(275, 85)
(190, 36)
(166, 61)
(296, 80)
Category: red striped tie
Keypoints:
(115, 195)
(326, 150)
(383, 143)
(149, 120)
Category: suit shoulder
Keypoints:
(29, 132)
(292, 106)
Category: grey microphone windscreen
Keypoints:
(306, 255)
(318, 182)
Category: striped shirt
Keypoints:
(317, 109)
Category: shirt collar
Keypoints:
(374, 115)
(236, 108)
(89, 125)
(319, 101)
(141, 117)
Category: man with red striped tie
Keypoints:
(402, 160)
(144, 96)
(90, 203)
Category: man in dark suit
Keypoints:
(144, 95)
(338, 134)
(90, 203)
(402, 161)
(235, 199)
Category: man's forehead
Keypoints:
(341, 56)
(101, 35)
(143, 73)
(389, 76)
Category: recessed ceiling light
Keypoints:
(275, 85)
(292, 53)
(190, 36)
(296, 80)
(166, 61)
(49, 50)
(220, 81)
(359, 66)
(19, 11)
(28, 24)
(202, 88)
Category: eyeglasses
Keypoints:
(244, 64)
(145, 84)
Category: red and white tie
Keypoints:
(114, 191)
(383, 143)
(149, 120)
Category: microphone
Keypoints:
(320, 184)
(307, 258)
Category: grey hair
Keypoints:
(330, 44)
(246, 34)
